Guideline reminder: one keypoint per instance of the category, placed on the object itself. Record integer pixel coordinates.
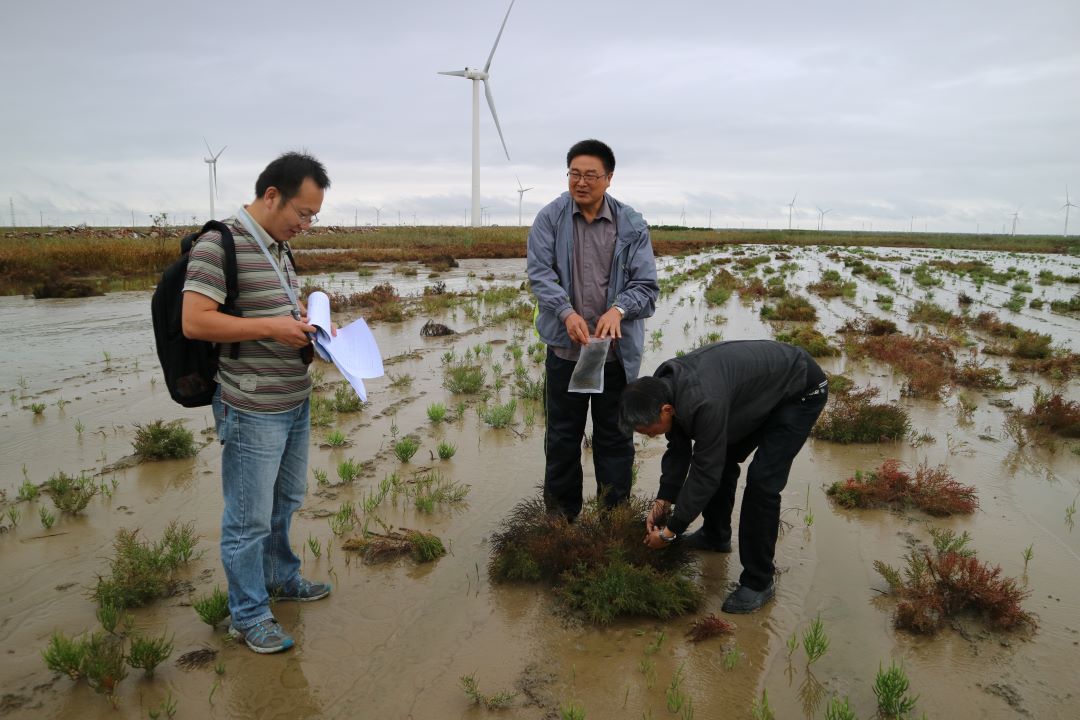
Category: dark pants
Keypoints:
(613, 450)
(777, 441)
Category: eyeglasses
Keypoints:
(308, 220)
(589, 178)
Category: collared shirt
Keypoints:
(267, 376)
(594, 249)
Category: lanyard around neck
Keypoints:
(257, 232)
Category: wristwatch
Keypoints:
(622, 312)
(665, 538)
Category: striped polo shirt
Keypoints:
(267, 376)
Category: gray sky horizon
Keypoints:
(957, 114)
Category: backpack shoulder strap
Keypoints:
(232, 282)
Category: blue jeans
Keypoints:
(264, 480)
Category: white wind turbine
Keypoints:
(478, 76)
(212, 162)
(521, 195)
(821, 217)
(1066, 207)
(1015, 217)
(790, 207)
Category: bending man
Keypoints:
(717, 405)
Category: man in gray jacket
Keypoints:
(716, 405)
(591, 267)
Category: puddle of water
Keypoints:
(394, 640)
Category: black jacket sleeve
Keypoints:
(709, 429)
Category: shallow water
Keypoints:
(393, 640)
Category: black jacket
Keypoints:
(722, 393)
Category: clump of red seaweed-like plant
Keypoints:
(931, 489)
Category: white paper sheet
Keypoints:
(353, 350)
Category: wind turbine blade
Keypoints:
(208, 150)
(456, 73)
(487, 65)
(527, 189)
(793, 199)
(519, 183)
(495, 117)
(219, 153)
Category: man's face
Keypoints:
(662, 426)
(582, 169)
(286, 219)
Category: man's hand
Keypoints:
(290, 332)
(577, 328)
(657, 514)
(654, 540)
(609, 324)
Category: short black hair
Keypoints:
(641, 402)
(288, 173)
(596, 149)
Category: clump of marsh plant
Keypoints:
(1051, 411)
(436, 413)
(103, 663)
(69, 494)
(854, 417)
(163, 441)
(28, 491)
(212, 609)
(890, 689)
(400, 381)
(937, 585)
(464, 379)
(790, 307)
(348, 470)
(598, 562)
(140, 570)
(928, 362)
(345, 399)
(760, 709)
(406, 447)
(47, 518)
(831, 285)
(149, 652)
(336, 439)
(322, 411)
(380, 547)
(815, 642)
(446, 450)
(37, 408)
(933, 490)
(838, 709)
(528, 389)
(65, 655)
(709, 626)
(497, 701)
(810, 340)
(499, 416)
(433, 489)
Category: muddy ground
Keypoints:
(394, 640)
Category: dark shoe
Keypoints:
(265, 637)
(700, 540)
(301, 590)
(746, 600)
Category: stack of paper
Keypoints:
(352, 350)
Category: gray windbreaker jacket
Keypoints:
(632, 285)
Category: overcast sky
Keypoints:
(959, 112)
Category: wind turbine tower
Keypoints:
(1015, 216)
(521, 194)
(477, 77)
(1068, 204)
(212, 162)
(790, 207)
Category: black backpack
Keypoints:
(190, 365)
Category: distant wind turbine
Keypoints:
(478, 76)
(521, 194)
(377, 210)
(821, 218)
(212, 162)
(1066, 207)
(1015, 216)
(790, 207)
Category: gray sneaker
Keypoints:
(301, 590)
(264, 637)
(746, 600)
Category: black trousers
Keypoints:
(613, 450)
(777, 441)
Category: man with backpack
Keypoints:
(261, 406)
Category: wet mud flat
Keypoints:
(395, 639)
